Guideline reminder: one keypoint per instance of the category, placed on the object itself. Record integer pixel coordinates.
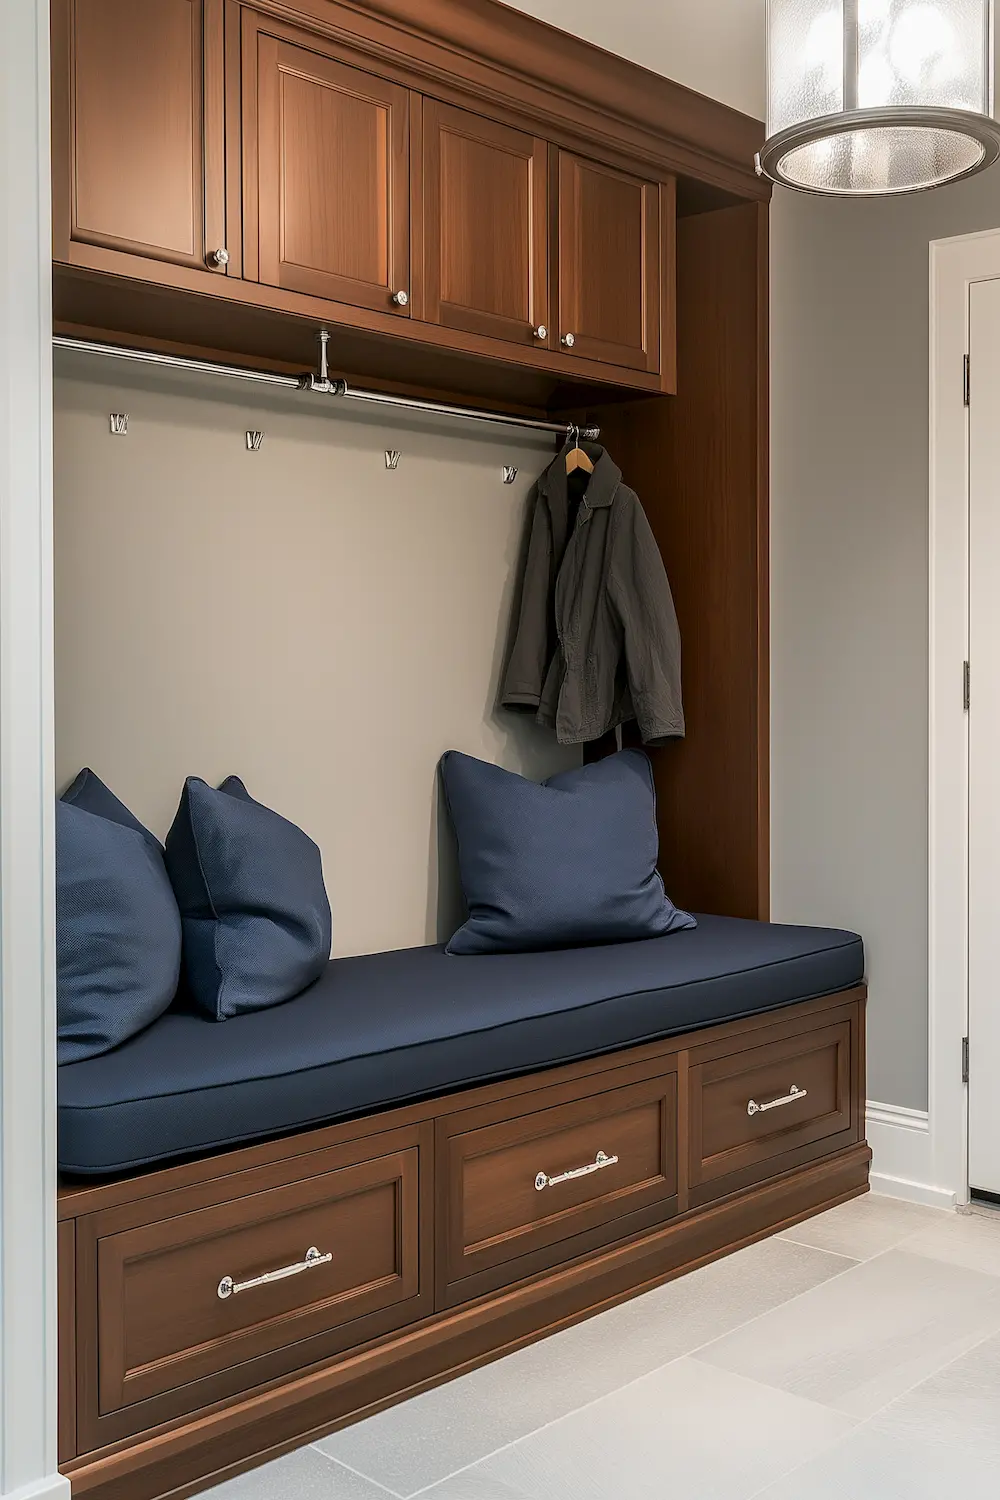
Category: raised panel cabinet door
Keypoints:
(608, 265)
(138, 128)
(485, 231)
(329, 149)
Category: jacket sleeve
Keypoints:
(640, 593)
(529, 649)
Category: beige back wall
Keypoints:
(299, 616)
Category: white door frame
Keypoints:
(954, 265)
(28, 1347)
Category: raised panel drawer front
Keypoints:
(763, 1109)
(519, 1188)
(143, 155)
(194, 1296)
(326, 174)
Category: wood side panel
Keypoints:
(233, 117)
(222, 1442)
(698, 463)
(762, 765)
(484, 225)
(66, 1252)
(668, 286)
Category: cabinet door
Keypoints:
(608, 264)
(138, 128)
(485, 239)
(326, 164)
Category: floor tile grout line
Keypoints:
(933, 1374)
(789, 1239)
(852, 1265)
(339, 1463)
(687, 1354)
(855, 1428)
(732, 1374)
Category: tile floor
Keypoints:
(856, 1357)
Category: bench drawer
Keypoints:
(768, 1107)
(217, 1296)
(520, 1186)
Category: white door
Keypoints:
(984, 738)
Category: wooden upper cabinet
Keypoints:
(138, 128)
(325, 172)
(609, 264)
(483, 207)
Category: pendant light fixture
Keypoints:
(870, 97)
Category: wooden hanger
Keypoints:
(577, 458)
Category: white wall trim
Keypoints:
(28, 1351)
(897, 1117)
(902, 1165)
(954, 265)
(51, 1487)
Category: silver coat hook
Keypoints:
(509, 473)
(119, 423)
(392, 457)
(254, 440)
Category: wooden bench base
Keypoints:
(444, 1235)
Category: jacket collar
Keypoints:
(601, 486)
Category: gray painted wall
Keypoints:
(299, 616)
(849, 601)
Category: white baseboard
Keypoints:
(901, 1155)
(49, 1487)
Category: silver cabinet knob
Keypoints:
(219, 257)
(401, 299)
(569, 339)
(541, 332)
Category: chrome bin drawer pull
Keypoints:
(228, 1287)
(601, 1160)
(753, 1108)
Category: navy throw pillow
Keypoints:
(254, 910)
(118, 930)
(566, 863)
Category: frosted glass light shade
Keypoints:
(869, 97)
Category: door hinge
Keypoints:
(965, 1059)
(966, 386)
(966, 685)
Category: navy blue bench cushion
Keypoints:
(393, 1027)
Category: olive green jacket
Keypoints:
(594, 637)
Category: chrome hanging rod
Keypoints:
(322, 384)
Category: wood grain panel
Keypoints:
(484, 225)
(492, 1215)
(157, 1341)
(608, 263)
(138, 152)
(698, 461)
(162, 1322)
(66, 1250)
(329, 206)
(727, 1141)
